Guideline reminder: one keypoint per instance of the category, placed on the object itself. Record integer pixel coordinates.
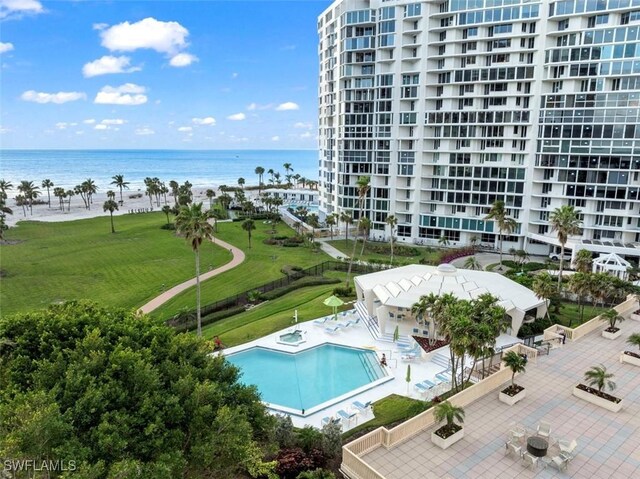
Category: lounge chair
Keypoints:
(544, 429)
(347, 416)
(333, 329)
(566, 446)
(330, 420)
(529, 460)
(360, 407)
(444, 377)
(513, 449)
(560, 462)
(320, 321)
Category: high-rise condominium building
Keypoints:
(449, 106)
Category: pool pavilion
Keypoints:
(388, 296)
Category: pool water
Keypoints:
(307, 378)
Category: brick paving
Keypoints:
(608, 443)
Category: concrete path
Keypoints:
(238, 258)
(330, 250)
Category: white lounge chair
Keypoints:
(333, 329)
(544, 429)
(361, 407)
(347, 416)
(320, 321)
(329, 420)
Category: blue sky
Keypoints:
(158, 74)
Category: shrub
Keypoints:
(291, 462)
(283, 431)
(332, 440)
(449, 256)
(270, 241)
(300, 283)
(343, 291)
(135, 195)
(168, 226)
(293, 272)
(287, 244)
(532, 329)
(316, 474)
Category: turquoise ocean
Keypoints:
(68, 168)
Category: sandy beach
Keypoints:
(78, 210)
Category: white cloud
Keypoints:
(144, 131)
(113, 121)
(185, 128)
(163, 37)
(255, 106)
(61, 125)
(6, 47)
(182, 60)
(79, 132)
(237, 117)
(101, 126)
(89, 121)
(209, 120)
(9, 7)
(306, 134)
(275, 138)
(303, 125)
(287, 106)
(234, 75)
(60, 97)
(108, 64)
(127, 94)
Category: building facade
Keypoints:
(449, 106)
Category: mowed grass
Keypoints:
(262, 264)
(274, 315)
(82, 260)
(427, 254)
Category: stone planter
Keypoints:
(597, 400)
(445, 443)
(511, 400)
(609, 335)
(629, 359)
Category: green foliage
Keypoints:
(515, 362)
(300, 283)
(309, 438)
(612, 317)
(634, 339)
(316, 474)
(283, 431)
(598, 377)
(445, 411)
(123, 396)
(291, 462)
(332, 440)
(526, 267)
(343, 291)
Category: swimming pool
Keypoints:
(307, 378)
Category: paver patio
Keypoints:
(608, 443)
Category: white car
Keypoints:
(556, 257)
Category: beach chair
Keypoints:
(330, 420)
(347, 416)
(333, 329)
(513, 449)
(360, 407)
(529, 460)
(320, 321)
(408, 357)
(544, 429)
(566, 446)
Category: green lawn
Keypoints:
(274, 315)
(263, 264)
(569, 314)
(81, 259)
(424, 253)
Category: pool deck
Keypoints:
(357, 336)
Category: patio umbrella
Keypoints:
(334, 302)
(408, 377)
(396, 334)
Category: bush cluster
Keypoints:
(532, 329)
(449, 256)
(343, 291)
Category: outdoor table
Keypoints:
(537, 446)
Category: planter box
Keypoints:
(635, 316)
(598, 401)
(608, 335)
(445, 443)
(511, 400)
(627, 358)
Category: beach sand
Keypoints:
(78, 210)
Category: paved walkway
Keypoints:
(330, 250)
(238, 257)
(608, 443)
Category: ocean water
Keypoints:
(68, 168)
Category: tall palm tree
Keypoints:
(363, 188)
(48, 184)
(260, 172)
(505, 224)
(118, 181)
(193, 222)
(90, 188)
(166, 209)
(287, 168)
(211, 195)
(29, 191)
(544, 288)
(330, 222)
(110, 206)
(580, 284)
(364, 225)
(565, 221)
(248, 226)
(111, 195)
(241, 182)
(59, 193)
(598, 377)
(5, 186)
(347, 219)
(69, 194)
(175, 191)
(583, 261)
(314, 222)
(392, 221)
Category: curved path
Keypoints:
(238, 258)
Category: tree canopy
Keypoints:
(124, 396)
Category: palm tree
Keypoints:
(634, 339)
(59, 193)
(248, 226)
(241, 182)
(364, 225)
(260, 172)
(48, 184)
(110, 206)
(111, 195)
(166, 209)
(363, 188)
(69, 194)
(4, 211)
(598, 377)
(472, 263)
(271, 172)
(175, 191)
(544, 288)
(580, 284)
(347, 219)
(443, 241)
(392, 221)
(193, 223)
(330, 222)
(89, 188)
(287, 168)
(516, 363)
(583, 261)
(612, 317)
(505, 224)
(566, 222)
(445, 411)
(118, 181)
(314, 222)
(4, 187)
(211, 195)
(29, 191)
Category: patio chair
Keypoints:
(528, 460)
(362, 408)
(566, 446)
(320, 321)
(560, 462)
(330, 420)
(517, 434)
(347, 416)
(443, 377)
(333, 329)
(544, 429)
(408, 357)
(513, 449)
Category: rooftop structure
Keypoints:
(389, 295)
(613, 264)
